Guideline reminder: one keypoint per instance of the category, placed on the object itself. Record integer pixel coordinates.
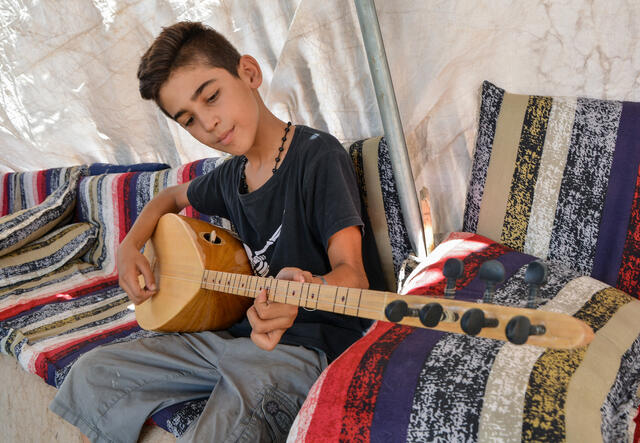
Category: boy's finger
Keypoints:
(149, 278)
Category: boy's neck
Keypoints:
(267, 141)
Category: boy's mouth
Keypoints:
(225, 137)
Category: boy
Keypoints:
(291, 193)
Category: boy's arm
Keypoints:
(130, 262)
(269, 320)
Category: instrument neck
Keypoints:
(349, 301)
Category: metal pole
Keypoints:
(391, 123)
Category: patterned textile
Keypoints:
(401, 383)
(108, 168)
(559, 178)
(21, 227)
(50, 321)
(377, 186)
(47, 254)
(23, 190)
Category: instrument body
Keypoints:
(179, 254)
(209, 286)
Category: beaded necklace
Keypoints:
(244, 188)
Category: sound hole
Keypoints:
(207, 237)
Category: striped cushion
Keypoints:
(22, 190)
(21, 227)
(47, 254)
(558, 177)
(401, 383)
(382, 206)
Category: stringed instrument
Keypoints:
(205, 282)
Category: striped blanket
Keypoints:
(400, 383)
(49, 322)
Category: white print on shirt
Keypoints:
(258, 259)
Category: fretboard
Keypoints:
(341, 300)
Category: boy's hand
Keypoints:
(269, 320)
(131, 263)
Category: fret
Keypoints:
(220, 281)
(243, 284)
(335, 299)
(358, 304)
(296, 292)
(352, 302)
(276, 290)
(268, 284)
(254, 291)
(211, 279)
(326, 305)
(277, 297)
(286, 292)
(235, 285)
(230, 283)
(306, 297)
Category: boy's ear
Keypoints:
(249, 71)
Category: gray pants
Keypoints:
(253, 395)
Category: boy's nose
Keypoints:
(210, 122)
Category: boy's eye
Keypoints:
(188, 122)
(213, 97)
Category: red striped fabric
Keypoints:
(41, 186)
(5, 194)
(629, 273)
(334, 396)
(362, 394)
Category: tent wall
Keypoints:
(68, 90)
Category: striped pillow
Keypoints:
(400, 383)
(21, 227)
(22, 190)
(47, 254)
(381, 210)
(558, 178)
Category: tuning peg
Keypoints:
(453, 269)
(396, 310)
(474, 320)
(433, 313)
(491, 272)
(520, 328)
(535, 276)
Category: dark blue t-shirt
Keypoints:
(288, 221)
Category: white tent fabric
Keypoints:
(68, 88)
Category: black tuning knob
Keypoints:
(491, 272)
(520, 328)
(453, 269)
(535, 276)
(396, 310)
(474, 320)
(430, 314)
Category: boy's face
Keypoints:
(215, 107)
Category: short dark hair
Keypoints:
(179, 45)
